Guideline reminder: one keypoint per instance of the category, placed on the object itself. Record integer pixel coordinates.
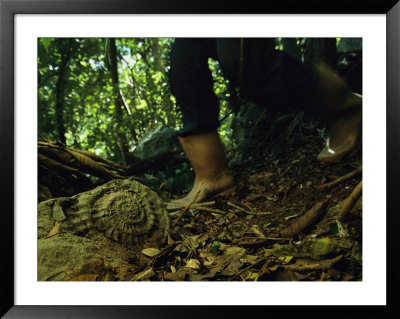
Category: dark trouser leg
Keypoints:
(266, 76)
(192, 84)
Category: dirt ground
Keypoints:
(285, 222)
(280, 225)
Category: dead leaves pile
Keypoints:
(237, 248)
(280, 226)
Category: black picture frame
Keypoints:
(8, 10)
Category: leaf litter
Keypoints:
(280, 225)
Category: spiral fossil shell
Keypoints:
(122, 210)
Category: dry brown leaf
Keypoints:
(263, 176)
(150, 252)
(86, 277)
(255, 230)
(176, 276)
(55, 231)
(193, 264)
(145, 275)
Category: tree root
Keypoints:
(305, 220)
(350, 201)
(61, 170)
(341, 179)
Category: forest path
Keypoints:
(280, 225)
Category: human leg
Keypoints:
(283, 83)
(342, 110)
(206, 155)
(191, 84)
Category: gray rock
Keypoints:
(66, 256)
(156, 143)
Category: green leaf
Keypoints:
(46, 42)
(215, 247)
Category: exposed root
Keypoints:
(341, 179)
(350, 201)
(305, 220)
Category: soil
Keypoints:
(239, 237)
(271, 195)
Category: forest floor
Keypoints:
(280, 225)
(286, 221)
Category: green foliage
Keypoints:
(46, 42)
(223, 91)
(174, 179)
(88, 101)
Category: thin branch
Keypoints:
(239, 208)
(341, 179)
(248, 268)
(186, 208)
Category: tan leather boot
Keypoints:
(206, 155)
(343, 111)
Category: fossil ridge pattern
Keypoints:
(122, 210)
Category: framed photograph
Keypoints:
(29, 29)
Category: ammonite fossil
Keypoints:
(125, 211)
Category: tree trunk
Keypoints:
(157, 54)
(119, 104)
(65, 51)
(320, 49)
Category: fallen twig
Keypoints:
(208, 209)
(248, 206)
(285, 191)
(240, 208)
(261, 242)
(248, 268)
(204, 204)
(322, 265)
(341, 179)
(186, 208)
(350, 201)
(194, 205)
(305, 220)
(163, 253)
